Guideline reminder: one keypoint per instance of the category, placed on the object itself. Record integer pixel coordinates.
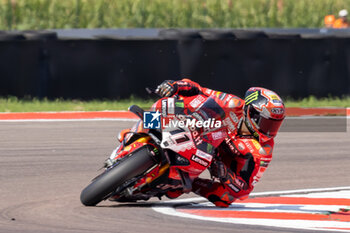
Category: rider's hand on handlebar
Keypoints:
(167, 88)
(218, 170)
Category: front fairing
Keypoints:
(195, 154)
(195, 146)
(186, 149)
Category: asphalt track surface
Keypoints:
(45, 165)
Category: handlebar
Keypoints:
(152, 91)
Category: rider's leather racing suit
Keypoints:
(243, 158)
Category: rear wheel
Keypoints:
(134, 165)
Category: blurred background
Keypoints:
(112, 49)
(49, 14)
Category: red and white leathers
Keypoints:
(243, 158)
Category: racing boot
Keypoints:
(174, 193)
(215, 192)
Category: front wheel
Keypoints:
(134, 165)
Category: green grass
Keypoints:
(13, 104)
(312, 102)
(48, 14)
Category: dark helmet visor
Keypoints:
(267, 126)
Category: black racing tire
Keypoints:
(100, 188)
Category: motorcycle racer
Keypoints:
(246, 152)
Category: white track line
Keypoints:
(300, 191)
(295, 224)
(271, 193)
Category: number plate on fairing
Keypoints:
(184, 147)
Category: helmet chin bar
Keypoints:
(250, 128)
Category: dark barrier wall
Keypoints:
(113, 67)
(109, 68)
(295, 68)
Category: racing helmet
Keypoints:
(264, 112)
(343, 13)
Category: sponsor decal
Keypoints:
(277, 102)
(204, 155)
(258, 176)
(231, 146)
(227, 122)
(196, 137)
(267, 149)
(222, 96)
(278, 111)
(169, 140)
(197, 101)
(239, 183)
(164, 108)
(232, 103)
(237, 101)
(249, 146)
(250, 98)
(264, 164)
(210, 148)
(234, 117)
(181, 160)
(171, 106)
(199, 161)
(233, 187)
(256, 144)
(218, 135)
(228, 98)
(208, 91)
(273, 97)
(179, 104)
(241, 146)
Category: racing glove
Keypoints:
(218, 170)
(167, 88)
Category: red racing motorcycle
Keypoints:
(162, 153)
